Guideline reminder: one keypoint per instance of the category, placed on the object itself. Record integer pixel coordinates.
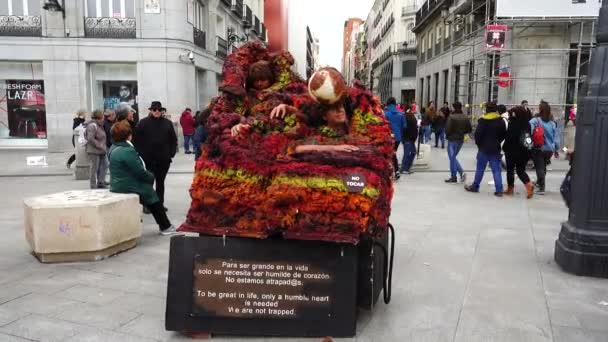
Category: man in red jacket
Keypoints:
(187, 123)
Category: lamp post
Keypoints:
(582, 246)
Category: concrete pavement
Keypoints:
(468, 267)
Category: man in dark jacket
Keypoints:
(409, 142)
(397, 122)
(108, 120)
(457, 127)
(491, 131)
(156, 143)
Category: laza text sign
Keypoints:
(245, 288)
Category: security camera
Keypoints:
(191, 56)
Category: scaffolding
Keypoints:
(477, 68)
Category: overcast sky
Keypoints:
(326, 20)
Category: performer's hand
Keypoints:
(236, 130)
(279, 111)
(345, 148)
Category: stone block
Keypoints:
(84, 225)
(423, 158)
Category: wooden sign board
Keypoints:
(254, 287)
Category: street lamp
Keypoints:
(54, 6)
(582, 246)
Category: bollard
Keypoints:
(83, 164)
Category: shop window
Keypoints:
(20, 7)
(110, 8)
(113, 84)
(408, 68)
(22, 109)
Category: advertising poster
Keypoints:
(496, 36)
(23, 101)
(115, 92)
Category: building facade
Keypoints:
(392, 47)
(351, 25)
(98, 53)
(478, 51)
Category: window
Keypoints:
(436, 97)
(110, 8)
(408, 68)
(456, 82)
(20, 7)
(199, 16)
(439, 34)
(446, 81)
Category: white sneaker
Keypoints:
(170, 231)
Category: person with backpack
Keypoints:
(490, 133)
(518, 143)
(96, 148)
(458, 126)
(397, 122)
(545, 143)
(77, 122)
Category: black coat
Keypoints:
(107, 126)
(513, 147)
(155, 140)
(491, 131)
(410, 134)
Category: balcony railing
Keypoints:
(109, 27)
(247, 16)
(199, 38)
(222, 48)
(21, 26)
(427, 9)
(227, 2)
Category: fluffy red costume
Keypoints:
(255, 185)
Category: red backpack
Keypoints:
(538, 134)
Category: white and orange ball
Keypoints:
(327, 86)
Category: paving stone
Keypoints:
(96, 315)
(39, 304)
(90, 294)
(41, 328)
(570, 334)
(10, 338)
(101, 335)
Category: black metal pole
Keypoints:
(582, 246)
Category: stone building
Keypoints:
(474, 51)
(93, 54)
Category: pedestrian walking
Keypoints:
(79, 119)
(410, 134)
(517, 146)
(524, 104)
(424, 124)
(430, 113)
(156, 142)
(187, 123)
(130, 176)
(397, 122)
(439, 125)
(201, 132)
(109, 117)
(490, 133)
(458, 126)
(546, 143)
(96, 148)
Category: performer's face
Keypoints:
(335, 116)
(261, 84)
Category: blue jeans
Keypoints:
(409, 154)
(440, 134)
(426, 134)
(482, 161)
(453, 150)
(187, 140)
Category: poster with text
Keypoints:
(25, 107)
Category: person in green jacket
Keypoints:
(129, 176)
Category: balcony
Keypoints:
(237, 7)
(222, 48)
(227, 2)
(247, 16)
(199, 38)
(428, 9)
(263, 33)
(256, 25)
(107, 27)
(20, 26)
